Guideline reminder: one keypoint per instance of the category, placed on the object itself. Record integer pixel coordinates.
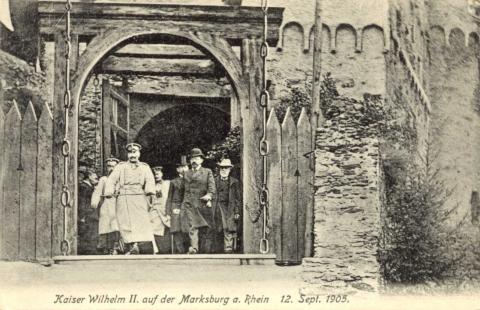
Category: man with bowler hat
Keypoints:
(178, 220)
(227, 205)
(133, 185)
(109, 236)
(199, 191)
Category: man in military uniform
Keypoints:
(109, 236)
(178, 220)
(227, 205)
(87, 217)
(199, 191)
(133, 185)
(158, 214)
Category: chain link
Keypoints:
(263, 145)
(66, 196)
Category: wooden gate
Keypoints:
(290, 177)
(27, 211)
(115, 121)
(212, 28)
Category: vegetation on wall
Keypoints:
(298, 98)
(228, 148)
(419, 244)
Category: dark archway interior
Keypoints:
(174, 132)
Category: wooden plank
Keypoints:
(274, 184)
(72, 211)
(235, 120)
(11, 198)
(28, 184)
(317, 61)
(93, 26)
(251, 161)
(3, 167)
(196, 2)
(290, 195)
(57, 158)
(106, 121)
(44, 186)
(153, 11)
(123, 98)
(161, 50)
(305, 186)
(63, 218)
(120, 96)
(182, 88)
(158, 66)
(75, 51)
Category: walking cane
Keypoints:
(171, 242)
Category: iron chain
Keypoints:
(263, 146)
(65, 197)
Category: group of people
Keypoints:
(133, 210)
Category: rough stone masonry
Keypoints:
(347, 203)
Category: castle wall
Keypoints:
(454, 76)
(353, 42)
(347, 178)
(89, 129)
(407, 97)
(347, 203)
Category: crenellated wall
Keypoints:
(354, 42)
(454, 91)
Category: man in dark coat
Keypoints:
(227, 205)
(158, 213)
(87, 216)
(178, 220)
(199, 192)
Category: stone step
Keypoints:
(177, 259)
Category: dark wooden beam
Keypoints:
(59, 124)
(205, 88)
(161, 51)
(157, 66)
(232, 22)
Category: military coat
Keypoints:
(135, 182)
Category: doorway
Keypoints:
(175, 131)
(160, 91)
